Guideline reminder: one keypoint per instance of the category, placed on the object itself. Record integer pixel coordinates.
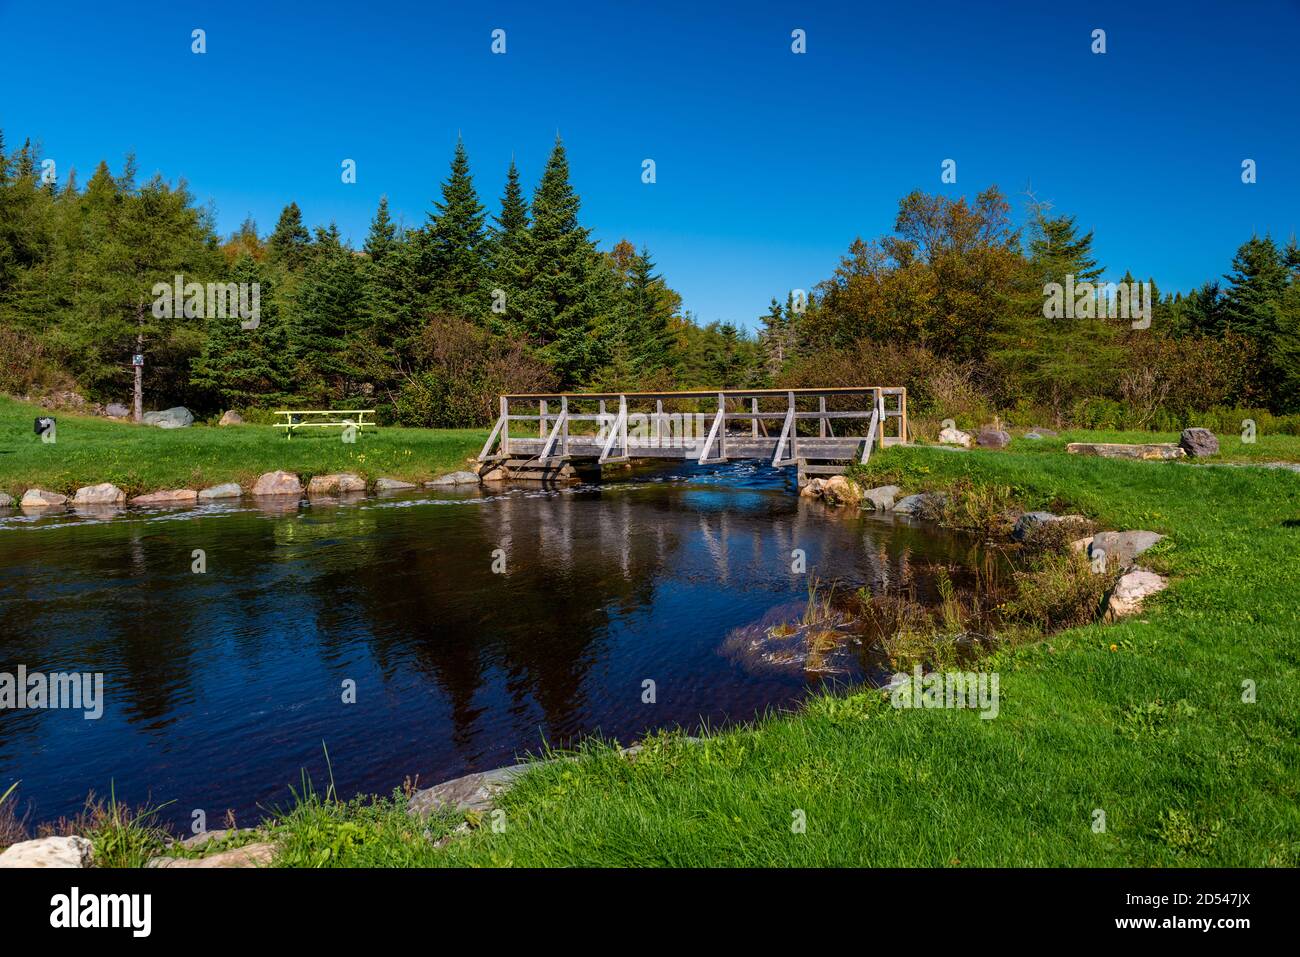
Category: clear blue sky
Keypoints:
(769, 163)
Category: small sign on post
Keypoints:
(137, 360)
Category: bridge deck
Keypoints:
(699, 425)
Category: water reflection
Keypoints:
(220, 686)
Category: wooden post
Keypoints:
(794, 430)
(753, 408)
(722, 427)
(821, 407)
(622, 415)
(600, 432)
(880, 407)
(902, 431)
(541, 432)
(659, 423)
(505, 426)
(564, 429)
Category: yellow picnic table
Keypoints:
(344, 419)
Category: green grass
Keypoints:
(1143, 720)
(141, 458)
(1265, 448)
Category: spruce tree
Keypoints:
(457, 245)
(571, 288)
(290, 241)
(245, 367)
(383, 233)
(328, 314)
(509, 255)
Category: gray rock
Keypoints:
(392, 485)
(955, 437)
(919, 504)
(1149, 451)
(116, 410)
(1133, 588)
(250, 855)
(39, 498)
(277, 483)
(6, 500)
(1033, 435)
(231, 417)
(336, 484)
(178, 417)
(1198, 442)
(226, 490)
(993, 439)
(105, 493)
(880, 499)
(1123, 547)
(455, 478)
(1029, 521)
(175, 496)
(473, 792)
(49, 852)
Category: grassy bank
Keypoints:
(140, 458)
(1143, 720)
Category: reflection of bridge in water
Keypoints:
(819, 429)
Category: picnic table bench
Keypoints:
(324, 419)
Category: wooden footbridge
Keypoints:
(818, 431)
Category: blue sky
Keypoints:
(768, 163)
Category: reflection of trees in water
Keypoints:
(413, 588)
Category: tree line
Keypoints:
(430, 322)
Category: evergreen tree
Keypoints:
(383, 233)
(290, 241)
(509, 245)
(328, 315)
(1056, 250)
(246, 367)
(457, 245)
(571, 288)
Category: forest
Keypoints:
(428, 323)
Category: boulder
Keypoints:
(225, 490)
(456, 478)
(231, 417)
(955, 437)
(335, 484)
(39, 498)
(1150, 451)
(1081, 544)
(116, 410)
(1134, 587)
(1029, 521)
(993, 439)
(812, 488)
(1123, 547)
(392, 485)
(839, 490)
(175, 496)
(473, 792)
(178, 417)
(49, 852)
(105, 493)
(6, 500)
(1033, 435)
(250, 855)
(1198, 442)
(277, 483)
(881, 498)
(919, 504)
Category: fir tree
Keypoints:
(245, 367)
(290, 241)
(456, 244)
(571, 289)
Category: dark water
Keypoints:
(221, 687)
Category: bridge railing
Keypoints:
(568, 423)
